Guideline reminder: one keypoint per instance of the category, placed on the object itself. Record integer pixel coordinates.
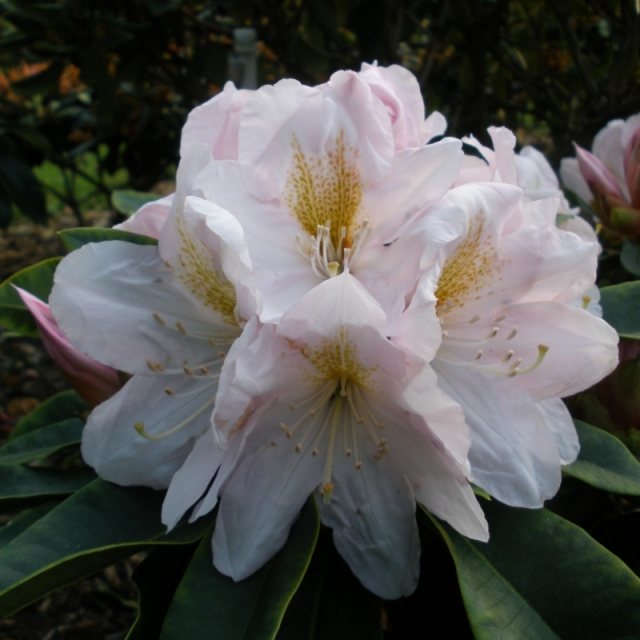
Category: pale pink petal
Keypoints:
(190, 482)
(398, 90)
(556, 416)
(562, 264)
(537, 174)
(474, 168)
(440, 484)
(608, 146)
(504, 142)
(372, 515)
(435, 125)
(219, 241)
(259, 505)
(418, 328)
(573, 180)
(282, 273)
(121, 305)
(513, 455)
(177, 406)
(149, 218)
(416, 179)
(366, 116)
(581, 348)
(266, 125)
(216, 123)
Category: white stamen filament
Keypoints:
(337, 405)
(328, 259)
(142, 430)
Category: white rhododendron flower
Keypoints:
(331, 407)
(167, 315)
(325, 179)
(502, 278)
(326, 315)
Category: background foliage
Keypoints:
(98, 87)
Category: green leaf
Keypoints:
(37, 280)
(621, 308)
(23, 520)
(79, 236)
(604, 462)
(630, 257)
(95, 527)
(331, 604)
(42, 442)
(61, 406)
(128, 201)
(251, 609)
(22, 483)
(157, 578)
(542, 577)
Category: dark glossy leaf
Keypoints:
(331, 604)
(128, 201)
(542, 577)
(42, 442)
(62, 406)
(37, 280)
(251, 609)
(95, 527)
(630, 257)
(21, 483)
(157, 578)
(24, 520)
(604, 462)
(78, 237)
(621, 308)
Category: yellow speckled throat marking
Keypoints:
(337, 359)
(472, 266)
(202, 279)
(325, 190)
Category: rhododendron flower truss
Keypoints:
(502, 278)
(325, 404)
(326, 179)
(167, 315)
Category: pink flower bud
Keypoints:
(600, 180)
(95, 382)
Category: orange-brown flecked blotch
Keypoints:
(472, 266)
(325, 190)
(337, 359)
(203, 280)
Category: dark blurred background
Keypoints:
(93, 93)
